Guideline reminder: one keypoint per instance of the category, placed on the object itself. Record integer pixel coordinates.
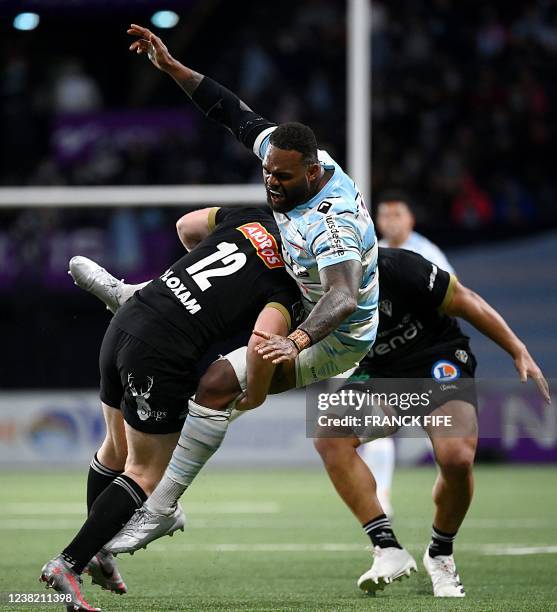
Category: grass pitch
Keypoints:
(282, 540)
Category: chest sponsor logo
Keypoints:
(461, 355)
(144, 411)
(324, 207)
(445, 371)
(178, 288)
(406, 333)
(386, 307)
(264, 243)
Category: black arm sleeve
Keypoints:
(221, 105)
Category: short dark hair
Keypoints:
(295, 136)
(395, 195)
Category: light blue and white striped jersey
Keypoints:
(428, 250)
(332, 227)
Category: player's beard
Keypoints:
(289, 200)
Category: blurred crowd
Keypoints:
(287, 61)
(463, 117)
(464, 111)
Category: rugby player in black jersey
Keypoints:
(233, 278)
(419, 337)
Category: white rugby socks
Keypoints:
(202, 434)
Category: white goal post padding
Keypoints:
(140, 195)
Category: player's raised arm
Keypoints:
(212, 99)
(470, 306)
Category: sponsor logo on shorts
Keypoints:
(445, 371)
(144, 411)
(461, 355)
(264, 243)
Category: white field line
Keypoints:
(50, 521)
(500, 549)
(517, 551)
(53, 508)
(291, 547)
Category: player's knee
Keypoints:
(333, 450)
(458, 459)
(113, 453)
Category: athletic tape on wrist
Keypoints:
(300, 338)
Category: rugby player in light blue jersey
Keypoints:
(328, 238)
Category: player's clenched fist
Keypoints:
(277, 348)
(151, 45)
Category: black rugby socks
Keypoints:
(112, 509)
(98, 479)
(441, 543)
(381, 533)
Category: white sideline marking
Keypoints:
(500, 549)
(517, 551)
(487, 523)
(275, 547)
(54, 508)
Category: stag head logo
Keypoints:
(141, 397)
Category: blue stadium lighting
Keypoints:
(165, 19)
(26, 21)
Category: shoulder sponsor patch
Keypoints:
(333, 235)
(445, 371)
(264, 243)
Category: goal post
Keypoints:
(132, 196)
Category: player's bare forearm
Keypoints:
(341, 283)
(260, 371)
(474, 309)
(331, 310)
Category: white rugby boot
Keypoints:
(443, 574)
(389, 564)
(144, 527)
(91, 277)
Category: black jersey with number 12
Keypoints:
(215, 290)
